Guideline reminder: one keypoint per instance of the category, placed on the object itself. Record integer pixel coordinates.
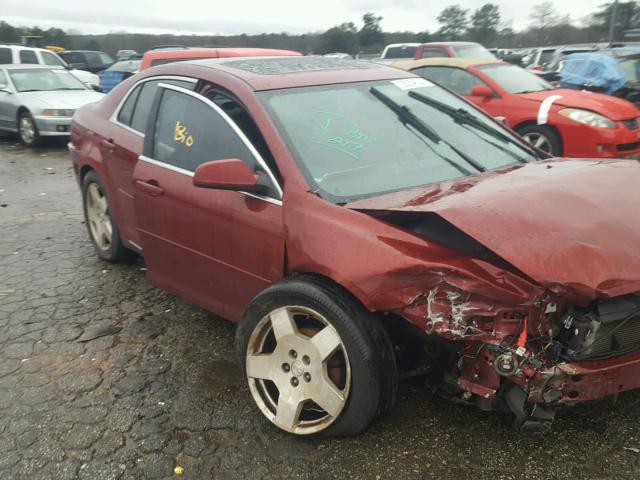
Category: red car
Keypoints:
(454, 50)
(162, 56)
(561, 122)
(356, 219)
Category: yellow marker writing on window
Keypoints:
(181, 135)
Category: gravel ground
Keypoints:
(158, 387)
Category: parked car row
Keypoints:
(359, 220)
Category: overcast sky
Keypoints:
(254, 16)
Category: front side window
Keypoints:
(44, 79)
(515, 79)
(456, 79)
(188, 132)
(3, 80)
(5, 56)
(28, 56)
(50, 59)
(358, 140)
(434, 53)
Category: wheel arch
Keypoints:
(21, 109)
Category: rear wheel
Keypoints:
(315, 360)
(28, 130)
(543, 138)
(102, 229)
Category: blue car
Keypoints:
(614, 72)
(118, 72)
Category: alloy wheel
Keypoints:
(298, 369)
(27, 130)
(538, 140)
(98, 217)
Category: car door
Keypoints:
(216, 248)
(7, 107)
(124, 143)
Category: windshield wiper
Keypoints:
(407, 117)
(462, 117)
(68, 88)
(30, 90)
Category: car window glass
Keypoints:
(124, 116)
(28, 56)
(244, 122)
(188, 133)
(433, 53)
(3, 80)
(145, 100)
(456, 79)
(5, 56)
(50, 59)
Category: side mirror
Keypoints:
(228, 174)
(5, 89)
(481, 91)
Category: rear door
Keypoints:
(216, 248)
(124, 144)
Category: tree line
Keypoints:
(484, 24)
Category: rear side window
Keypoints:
(50, 59)
(135, 110)
(28, 56)
(188, 133)
(5, 56)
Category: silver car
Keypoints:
(39, 101)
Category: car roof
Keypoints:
(31, 66)
(22, 47)
(443, 62)
(453, 44)
(409, 44)
(217, 51)
(271, 73)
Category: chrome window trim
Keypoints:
(189, 173)
(116, 112)
(234, 127)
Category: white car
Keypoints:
(18, 54)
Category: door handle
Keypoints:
(108, 144)
(152, 189)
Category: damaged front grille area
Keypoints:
(610, 328)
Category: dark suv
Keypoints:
(87, 60)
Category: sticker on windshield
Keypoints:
(341, 133)
(411, 83)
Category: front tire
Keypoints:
(315, 360)
(28, 130)
(543, 138)
(99, 220)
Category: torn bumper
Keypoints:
(570, 383)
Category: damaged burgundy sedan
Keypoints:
(361, 223)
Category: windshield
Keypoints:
(631, 69)
(400, 52)
(515, 79)
(545, 56)
(42, 79)
(473, 51)
(358, 140)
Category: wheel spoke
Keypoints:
(282, 323)
(326, 342)
(260, 366)
(540, 141)
(108, 230)
(328, 397)
(288, 411)
(102, 204)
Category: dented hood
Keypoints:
(571, 225)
